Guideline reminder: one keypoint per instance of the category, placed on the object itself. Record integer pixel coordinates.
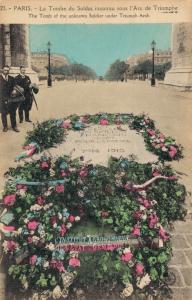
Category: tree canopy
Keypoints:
(116, 70)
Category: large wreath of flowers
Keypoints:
(50, 198)
(52, 132)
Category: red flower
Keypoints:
(137, 214)
(74, 262)
(63, 230)
(11, 245)
(40, 200)
(57, 265)
(146, 203)
(151, 132)
(32, 260)
(104, 214)
(136, 231)
(9, 199)
(21, 187)
(44, 165)
(59, 188)
(104, 122)
(71, 219)
(163, 234)
(53, 219)
(32, 225)
(153, 219)
(172, 151)
(83, 173)
(63, 174)
(139, 268)
(126, 257)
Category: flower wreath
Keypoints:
(52, 132)
(47, 198)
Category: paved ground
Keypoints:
(172, 111)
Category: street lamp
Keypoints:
(49, 80)
(153, 44)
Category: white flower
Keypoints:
(47, 206)
(21, 193)
(60, 216)
(26, 220)
(141, 207)
(35, 207)
(77, 218)
(55, 225)
(32, 232)
(45, 264)
(35, 239)
(51, 247)
(143, 193)
(80, 193)
(126, 250)
(144, 281)
(42, 234)
(47, 193)
(69, 225)
(164, 149)
(127, 291)
(19, 230)
(26, 285)
(144, 217)
(57, 293)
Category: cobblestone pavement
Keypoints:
(172, 111)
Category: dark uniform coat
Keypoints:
(24, 82)
(6, 88)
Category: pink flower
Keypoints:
(21, 187)
(32, 260)
(63, 174)
(32, 225)
(146, 203)
(71, 218)
(57, 265)
(9, 199)
(172, 151)
(104, 122)
(66, 124)
(156, 173)
(151, 132)
(126, 257)
(29, 239)
(63, 230)
(136, 231)
(163, 234)
(83, 173)
(59, 188)
(153, 219)
(104, 214)
(44, 165)
(53, 219)
(139, 268)
(137, 215)
(74, 262)
(173, 177)
(11, 245)
(40, 200)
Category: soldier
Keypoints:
(25, 82)
(6, 89)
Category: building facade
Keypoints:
(39, 61)
(161, 57)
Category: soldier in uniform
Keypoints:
(7, 83)
(25, 82)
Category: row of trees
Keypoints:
(119, 70)
(74, 71)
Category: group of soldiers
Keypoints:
(15, 94)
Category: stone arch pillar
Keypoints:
(180, 74)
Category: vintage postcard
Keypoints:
(95, 149)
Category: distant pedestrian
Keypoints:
(25, 82)
(7, 83)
